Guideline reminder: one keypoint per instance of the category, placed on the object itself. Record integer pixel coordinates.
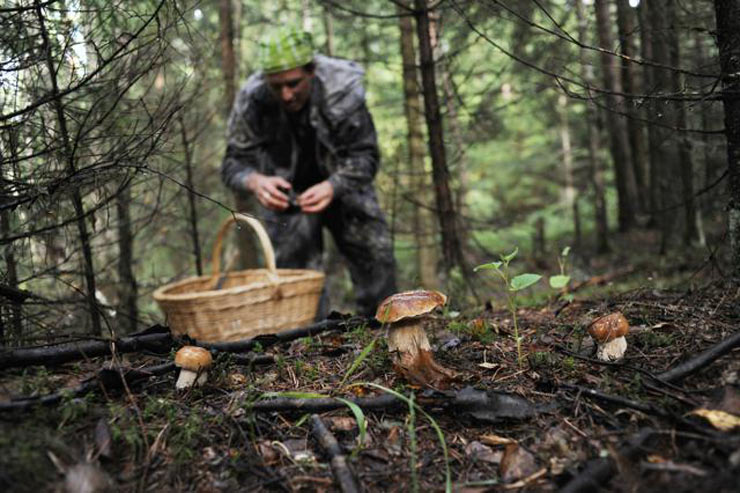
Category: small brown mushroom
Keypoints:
(412, 355)
(194, 363)
(608, 333)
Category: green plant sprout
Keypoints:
(513, 286)
(561, 280)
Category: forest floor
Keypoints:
(559, 420)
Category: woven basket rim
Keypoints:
(297, 275)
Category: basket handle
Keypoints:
(265, 242)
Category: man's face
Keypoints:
(292, 87)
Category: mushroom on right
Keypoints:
(608, 333)
(407, 314)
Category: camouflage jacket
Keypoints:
(260, 139)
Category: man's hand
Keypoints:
(317, 198)
(269, 190)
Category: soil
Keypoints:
(634, 433)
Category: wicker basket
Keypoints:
(248, 303)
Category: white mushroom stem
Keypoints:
(188, 377)
(612, 350)
(412, 354)
(408, 337)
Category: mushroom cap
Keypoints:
(609, 327)
(193, 358)
(408, 304)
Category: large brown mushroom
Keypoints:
(407, 314)
(608, 333)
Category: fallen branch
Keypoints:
(487, 407)
(326, 404)
(107, 378)
(288, 335)
(338, 462)
(157, 340)
(703, 359)
(110, 379)
(599, 471)
(614, 399)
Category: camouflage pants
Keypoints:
(361, 234)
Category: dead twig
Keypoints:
(339, 466)
(702, 360)
(599, 471)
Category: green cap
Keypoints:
(285, 49)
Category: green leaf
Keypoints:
(359, 417)
(559, 281)
(565, 252)
(508, 258)
(492, 265)
(523, 281)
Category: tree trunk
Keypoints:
(728, 38)
(445, 207)
(228, 61)
(619, 141)
(423, 228)
(127, 313)
(569, 188)
(329, 29)
(459, 165)
(668, 173)
(632, 85)
(654, 153)
(66, 156)
(686, 161)
(13, 308)
(189, 183)
(596, 174)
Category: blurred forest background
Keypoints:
(537, 124)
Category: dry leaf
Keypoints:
(719, 419)
(342, 423)
(480, 452)
(489, 366)
(517, 463)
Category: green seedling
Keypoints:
(513, 286)
(561, 280)
(440, 434)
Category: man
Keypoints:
(300, 138)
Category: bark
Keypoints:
(228, 61)
(618, 138)
(67, 158)
(127, 313)
(595, 167)
(451, 248)
(631, 84)
(728, 38)
(423, 227)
